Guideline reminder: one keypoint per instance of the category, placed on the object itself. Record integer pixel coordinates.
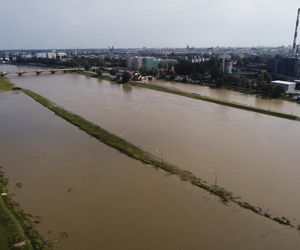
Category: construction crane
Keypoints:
(295, 46)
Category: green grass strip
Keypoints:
(214, 100)
(5, 84)
(136, 153)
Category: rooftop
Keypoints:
(284, 82)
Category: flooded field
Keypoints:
(89, 196)
(229, 95)
(253, 155)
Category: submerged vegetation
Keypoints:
(16, 230)
(136, 153)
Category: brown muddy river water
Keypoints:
(101, 199)
(253, 155)
(229, 95)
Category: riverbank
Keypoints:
(16, 230)
(136, 153)
(214, 100)
(5, 85)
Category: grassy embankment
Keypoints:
(146, 158)
(15, 227)
(214, 100)
(5, 85)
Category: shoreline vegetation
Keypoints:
(16, 229)
(137, 153)
(200, 97)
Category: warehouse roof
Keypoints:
(283, 82)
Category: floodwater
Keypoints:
(253, 155)
(229, 95)
(90, 196)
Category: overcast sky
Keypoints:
(29, 24)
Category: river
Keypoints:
(89, 196)
(253, 155)
(234, 96)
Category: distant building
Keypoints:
(151, 63)
(41, 55)
(135, 63)
(228, 67)
(284, 66)
(61, 55)
(136, 77)
(26, 56)
(227, 64)
(289, 87)
(165, 63)
(51, 55)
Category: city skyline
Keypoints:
(135, 24)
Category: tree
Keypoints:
(172, 75)
(271, 90)
(219, 82)
(87, 66)
(99, 72)
(277, 91)
(126, 77)
(261, 78)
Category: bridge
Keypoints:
(38, 71)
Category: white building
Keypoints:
(289, 87)
(26, 56)
(51, 55)
(41, 55)
(61, 55)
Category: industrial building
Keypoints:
(287, 66)
(289, 87)
(227, 64)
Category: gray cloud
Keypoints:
(136, 23)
